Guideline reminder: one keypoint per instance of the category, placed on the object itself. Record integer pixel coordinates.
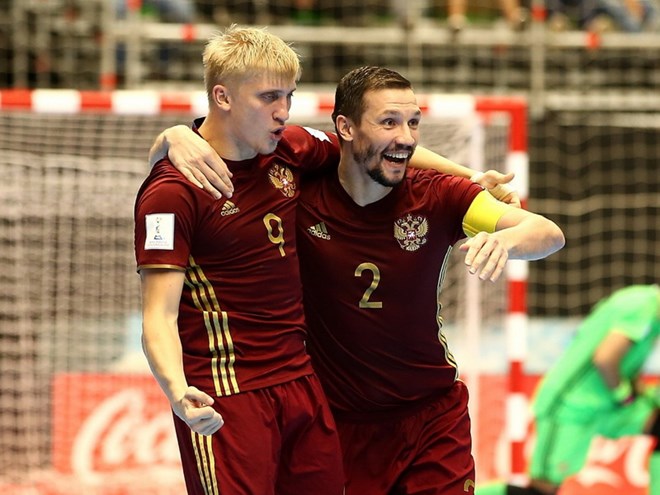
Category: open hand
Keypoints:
(486, 256)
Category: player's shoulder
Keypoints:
(308, 148)
(164, 178)
(633, 292)
(293, 131)
(303, 137)
(634, 296)
(165, 169)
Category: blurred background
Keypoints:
(77, 405)
(543, 49)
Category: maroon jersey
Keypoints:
(371, 278)
(241, 319)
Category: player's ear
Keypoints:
(220, 96)
(344, 127)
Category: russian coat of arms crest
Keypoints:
(410, 231)
(282, 178)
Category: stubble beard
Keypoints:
(377, 173)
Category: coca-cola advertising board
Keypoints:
(114, 433)
(613, 467)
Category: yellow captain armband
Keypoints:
(483, 214)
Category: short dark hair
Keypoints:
(349, 96)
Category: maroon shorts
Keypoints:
(428, 451)
(278, 440)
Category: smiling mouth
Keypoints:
(398, 157)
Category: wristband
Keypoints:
(623, 393)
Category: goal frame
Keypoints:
(315, 104)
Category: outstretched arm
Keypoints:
(496, 183)
(202, 166)
(194, 158)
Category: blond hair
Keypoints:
(240, 52)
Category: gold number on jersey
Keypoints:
(365, 302)
(270, 221)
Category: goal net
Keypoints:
(79, 410)
(596, 174)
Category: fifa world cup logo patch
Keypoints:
(282, 178)
(410, 231)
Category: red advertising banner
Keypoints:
(113, 435)
(114, 430)
(613, 467)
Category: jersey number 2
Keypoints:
(375, 272)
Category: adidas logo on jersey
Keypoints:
(319, 230)
(229, 208)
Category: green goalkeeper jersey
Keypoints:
(573, 389)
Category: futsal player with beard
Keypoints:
(372, 288)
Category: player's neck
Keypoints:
(221, 140)
(359, 186)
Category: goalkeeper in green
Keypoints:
(594, 389)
